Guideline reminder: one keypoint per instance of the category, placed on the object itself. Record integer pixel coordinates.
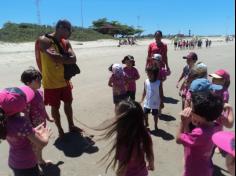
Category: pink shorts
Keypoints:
(53, 97)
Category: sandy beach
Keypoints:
(93, 103)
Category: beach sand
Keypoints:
(93, 103)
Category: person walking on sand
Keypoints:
(158, 47)
(51, 63)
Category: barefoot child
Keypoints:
(132, 75)
(198, 146)
(36, 109)
(133, 144)
(18, 131)
(151, 95)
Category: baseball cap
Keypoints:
(225, 140)
(157, 57)
(202, 84)
(220, 74)
(14, 100)
(192, 56)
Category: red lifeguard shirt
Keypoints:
(157, 49)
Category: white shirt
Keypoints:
(152, 99)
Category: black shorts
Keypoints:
(148, 111)
(26, 172)
(131, 94)
(118, 98)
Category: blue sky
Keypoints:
(203, 17)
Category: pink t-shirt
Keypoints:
(137, 164)
(21, 155)
(198, 149)
(224, 93)
(37, 111)
(155, 49)
(118, 84)
(132, 75)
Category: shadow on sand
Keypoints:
(52, 169)
(163, 134)
(167, 118)
(74, 145)
(170, 100)
(218, 171)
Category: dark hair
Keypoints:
(110, 68)
(153, 70)
(30, 75)
(207, 105)
(3, 123)
(227, 84)
(131, 134)
(129, 57)
(160, 32)
(62, 23)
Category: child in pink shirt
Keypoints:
(222, 77)
(198, 146)
(118, 81)
(132, 75)
(132, 145)
(18, 131)
(36, 110)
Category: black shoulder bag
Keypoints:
(70, 70)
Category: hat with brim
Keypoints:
(213, 75)
(202, 84)
(192, 56)
(225, 140)
(14, 100)
(219, 74)
(128, 58)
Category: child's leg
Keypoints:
(155, 115)
(146, 112)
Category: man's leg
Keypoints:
(56, 115)
(69, 114)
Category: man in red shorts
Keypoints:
(51, 64)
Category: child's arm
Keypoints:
(144, 94)
(110, 82)
(181, 77)
(185, 120)
(228, 121)
(41, 136)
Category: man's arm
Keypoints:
(46, 47)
